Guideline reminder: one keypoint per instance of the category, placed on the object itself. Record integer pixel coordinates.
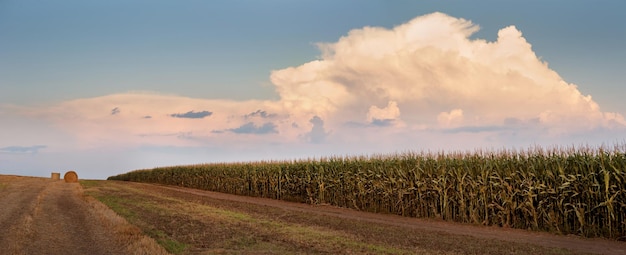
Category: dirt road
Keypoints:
(42, 216)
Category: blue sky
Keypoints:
(62, 63)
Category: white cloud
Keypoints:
(453, 118)
(428, 69)
(391, 113)
(422, 84)
(430, 65)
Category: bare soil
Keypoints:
(185, 215)
(570, 242)
(45, 216)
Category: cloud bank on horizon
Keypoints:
(424, 84)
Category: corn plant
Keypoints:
(562, 190)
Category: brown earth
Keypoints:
(45, 216)
(184, 214)
(42, 216)
(572, 243)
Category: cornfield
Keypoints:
(577, 191)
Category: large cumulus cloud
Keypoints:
(416, 85)
(431, 71)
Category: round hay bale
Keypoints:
(70, 176)
(56, 176)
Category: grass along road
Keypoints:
(188, 221)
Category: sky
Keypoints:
(107, 87)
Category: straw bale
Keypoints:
(70, 176)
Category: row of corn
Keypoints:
(567, 191)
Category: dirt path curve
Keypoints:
(42, 216)
(575, 243)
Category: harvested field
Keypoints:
(43, 216)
